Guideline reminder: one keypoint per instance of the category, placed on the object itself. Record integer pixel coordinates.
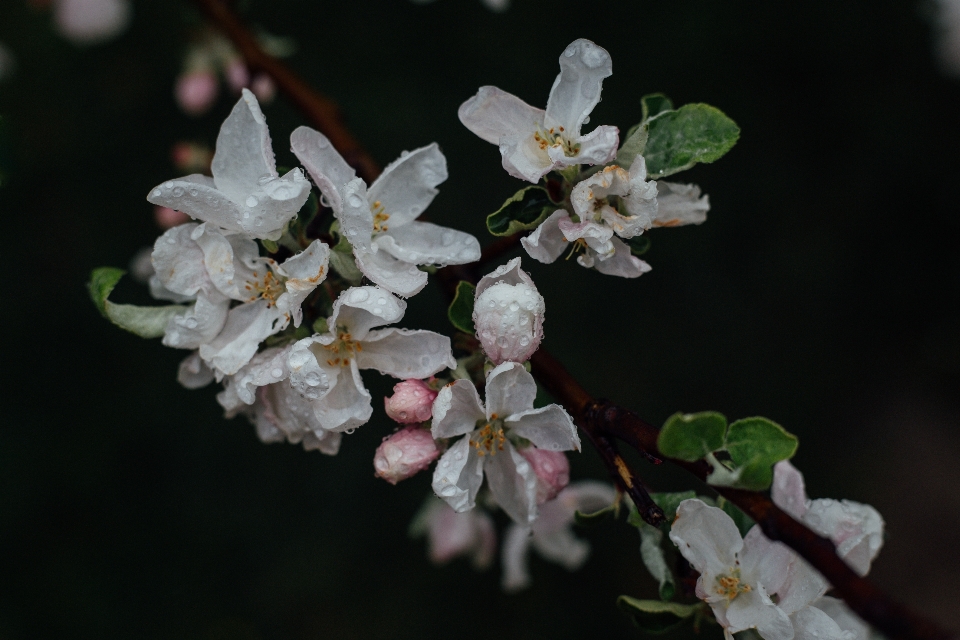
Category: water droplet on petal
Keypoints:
(355, 200)
(277, 373)
(177, 192)
(252, 201)
(157, 193)
(382, 301)
(359, 295)
(194, 192)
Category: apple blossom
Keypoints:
(380, 221)
(326, 368)
(552, 470)
(404, 454)
(246, 194)
(451, 534)
(534, 141)
(411, 402)
(488, 446)
(508, 313)
(196, 91)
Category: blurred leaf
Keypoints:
(651, 552)
(669, 502)
(590, 519)
(653, 104)
(639, 245)
(320, 325)
(656, 616)
(679, 139)
(524, 210)
(755, 445)
(461, 309)
(743, 521)
(146, 322)
(691, 436)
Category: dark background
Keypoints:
(821, 293)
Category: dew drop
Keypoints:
(177, 192)
(349, 431)
(191, 323)
(524, 341)
(377, 311)
(157, 193)
(359, 295)
(382, 301)
(351, 232)
(252, 201)
(355, 200)
(167, 185)
(194, 192)
(171, 240)
(277, 373)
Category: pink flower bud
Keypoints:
(191, 157)
(404, 454)
(91, 21)
(167, 218)
(195, 91)
(453, 534)
(552, 469)
(237, 75)
(508, 313)
(411, 403)
(263, 87)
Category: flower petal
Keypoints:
(178, 262)
(456, 410)
(547, 242)
(493, 114)
(754, 609)
(359, 309)
(347, 405)
(844, 617)
(247, 326)
(788, 491)
(304, 272)
(427, 243)
(396, 276)
(810, 623)
(510, 390)
(509, 273)
(516, 545)
(355, 215)
(597, 147)
(458, 476)
(407, 185)
(680, 204)
(200, 324)
(311, 376)
(523, 158)
(325, 165)
(856, 529)
(622, 263)
(244, 153)
(802, 585)
(576, 91)
(706, 537)
(549, 428)
(562, 547)
(765, 561)
(406, 353)
(513, 483)
(194, 373)
(597, 236)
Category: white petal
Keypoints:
(844, 617)
(227, 259)
(397, 276)
(247, 326)
(516, 545)
(272, 204)
(803, 584)
(562, 547)
(359, 309)
(623, 263)
(427, 243)
(597, 147)
(407, 185)
(641, 203)
(788, 491)
(304, 272)
(310, 375)
(523, 158)
(679, 204)
(754, 609)
(244, 153)
(456, 410)
(576, 91)
(549, 428)
(493, 114)
(510, 389)
(200, 324)
(355, 215)
(811, 623)
(406, 353)
(326, 442)
(513, 483)
(178, 262)
(612, 180)
(193, 373)
(597, 236)
(265, 368)
(706, 537)
(546, 243)
(347, 405)
(856, 529)
(458, 476)
(765, 561)
(509, 273)
(325, 165)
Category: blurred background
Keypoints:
(820, 293)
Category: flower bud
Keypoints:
(263, 87)
(237, 75)
(552, 469)
(167, 218)
(195, 91)
(508, 314)
(404, 454)
(411, 403)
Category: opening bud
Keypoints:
(508, 313)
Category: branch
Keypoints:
(601, 421)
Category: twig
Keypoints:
(601, 421)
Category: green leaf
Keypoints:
(590, 519)
(524, 210)
(270, 245)
(341, 260)
(656, 616)
(679, 139)
(651, 552)
(755, 445)
(743, 521)
(633, 145)
(653, 104)
(669, 502)
(461, 309)
(146, 322)
(639, 245)
(691, 436)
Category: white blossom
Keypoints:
(451, 534)
(245, 194)
(379, 221)
(508, 314)
(551, 535)
(326, 367)
(534, 141)
(487, 446)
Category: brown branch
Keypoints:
(601, 421)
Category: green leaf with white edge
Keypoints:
(460, 311)
(679, 139)
(755, 445)
(653, 104)
(523, 211)
(146, 322)
(656, 616)
(691, 436)
(651, 552)
(743, 521)
(590, 519)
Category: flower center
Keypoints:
(729, 585)
(489, 437)
(343, 348)
(379, 217)
(553, 137)
(269, 287)
(576, 246)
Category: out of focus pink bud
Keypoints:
(263, 87)
(91, 21)
(195, 91)
(508, 313)
(237, 75)
(404, 454)
(168, 218)
(452, 534)
(552, 469)
(411, 403)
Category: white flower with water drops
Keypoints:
(488, 447)
(380, 221)
(326, 367)
(245, 194)
(534, 141)
(508, 313)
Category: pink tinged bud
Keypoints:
(552, 469)
(237, 75)
(263, 87)
(167, 218)
(404, 454)
(195, 91)
(411, 403)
